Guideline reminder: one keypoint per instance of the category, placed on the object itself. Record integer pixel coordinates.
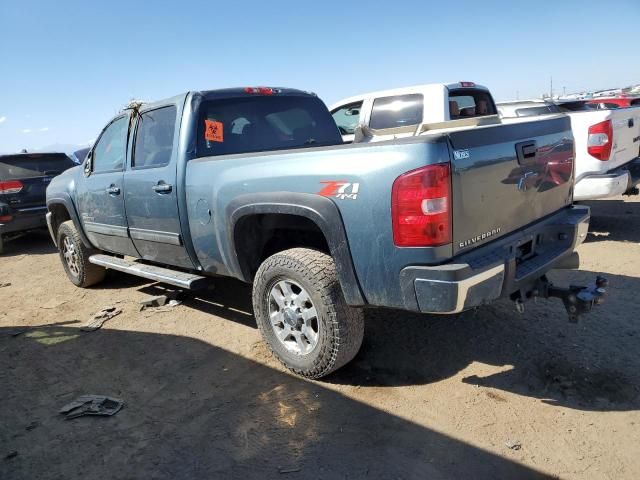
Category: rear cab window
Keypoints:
(469, 102)
(14, 167)
(263, 123)
(397, 111)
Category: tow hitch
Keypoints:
(577, 300)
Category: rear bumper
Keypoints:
(24, 220)
(495, 270)
(610, 184)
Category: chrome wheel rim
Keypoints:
(293, 317)
(70, 254)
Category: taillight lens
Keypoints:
(421, 207)
(600, 140)
(10, 186)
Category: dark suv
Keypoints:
(23, 183)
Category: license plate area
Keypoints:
(525, 249)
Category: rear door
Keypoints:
(100, 194)
(151, 190)
(507, 176)
(28, 175)
(395, 116)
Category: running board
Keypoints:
(177, 278)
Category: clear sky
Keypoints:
(66, 66)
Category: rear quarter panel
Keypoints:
(212, 183)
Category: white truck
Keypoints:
(409, 111)
(607, 144)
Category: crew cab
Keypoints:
(607, 143)
(409, 111)
(256, 184)
(23, 181)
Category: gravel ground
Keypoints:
(486, 394)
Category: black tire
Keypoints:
(87, 273)
(341, 327)
(1, 245)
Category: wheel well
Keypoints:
(257, 237)
(59, 215)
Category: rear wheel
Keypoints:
(75, 257)
(302, 314)
(1, 245)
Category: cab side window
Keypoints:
(154, 140)
(110, 152)
(397, 111)
(347, 117)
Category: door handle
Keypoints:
(113, 190)
(162, 187)
(526, 152)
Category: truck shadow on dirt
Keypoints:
(193, 410)
(32, 243)
(614, 220)
(592, 365)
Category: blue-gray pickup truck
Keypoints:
(256, 184)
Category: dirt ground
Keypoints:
(426, 397)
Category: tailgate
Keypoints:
(626, 136)
(508, 176)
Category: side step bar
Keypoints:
(184, 280)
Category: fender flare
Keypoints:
(322, 211)
(64, 199)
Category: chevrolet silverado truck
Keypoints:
(607, 143)
(257, 184)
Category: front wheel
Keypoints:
(75, 257)
(302, 314)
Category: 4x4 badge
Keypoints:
(340, 189)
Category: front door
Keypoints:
(101, 194)
(151, 191)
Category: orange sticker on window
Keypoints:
(213, 131)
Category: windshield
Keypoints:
(263, 123)
(13, 167)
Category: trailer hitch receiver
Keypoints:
(577, 300)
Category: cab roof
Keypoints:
(425, 88)
(227, 93)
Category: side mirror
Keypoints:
(362, 133)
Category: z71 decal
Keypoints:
(340, 189)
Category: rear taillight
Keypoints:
(600, 140)
(10, 186)
(421, 207)
(5, 218)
